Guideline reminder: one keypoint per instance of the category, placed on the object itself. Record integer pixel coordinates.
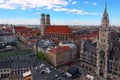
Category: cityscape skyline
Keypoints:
(62, 12)
(59, 52)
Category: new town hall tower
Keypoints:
(102, 55)
(103, 45)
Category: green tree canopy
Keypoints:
(41, 55)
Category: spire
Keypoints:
(13, 29)
(105, 11)
(105, 15)
(105, 4)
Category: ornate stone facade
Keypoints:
(103, 56)
(103, 46)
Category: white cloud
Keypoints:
(60, 9)
(74, 11)
(94, 3)
(55, 5)
(70, 0)
(25, 4)
(78, 22)
(86, 2)
(19, 21)
(1, 1)
(75, 22)
(74, 2)
(115, 22)
(7, 6)
(37, 13)
(55, 22)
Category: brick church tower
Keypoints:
(43, 24)
(45, 21)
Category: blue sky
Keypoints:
(62, 12)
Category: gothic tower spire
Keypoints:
(105, 19)
(103, 45)
(105, 11)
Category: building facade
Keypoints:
(5, 69)
(61, 55)
(103, 46)
(43, 25)
(54, 31)
(88, 55)
(102, 57)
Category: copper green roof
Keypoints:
(42, 14)
(47, 15)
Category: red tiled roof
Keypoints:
(19, 27)
(8, 29)
(26, 35)
(58, 30)
(60, 49)
(36, 31)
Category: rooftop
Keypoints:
(27, 74)
(5, 64)
(6, 39)
(57, 29)
(20, 49)
(45, 71)
(60, 49)
(23, 63)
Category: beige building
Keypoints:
(5, 72)
(61, 55)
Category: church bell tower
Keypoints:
(43, 24)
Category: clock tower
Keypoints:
(103, 45)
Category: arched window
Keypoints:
(101, 72)
(102, 54)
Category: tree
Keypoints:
(41, 55)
